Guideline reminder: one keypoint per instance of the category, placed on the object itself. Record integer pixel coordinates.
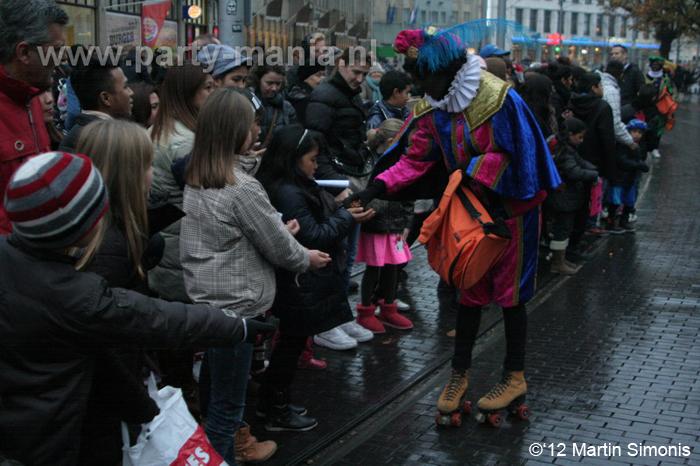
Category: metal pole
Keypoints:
(101, 32)
(501, 39)
(231, 21)
(560, 29)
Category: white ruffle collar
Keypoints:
(462, 90)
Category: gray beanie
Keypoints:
(221, 58)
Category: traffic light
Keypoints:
(557, 49)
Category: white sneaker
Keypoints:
(335, 339)
(604, 213)
(357, 331)
(655, 153)
(633, 218)
(401, 306)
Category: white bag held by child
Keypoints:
(172, 438)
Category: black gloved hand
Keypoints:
(258, 331)
(374, 189)
(643, 167)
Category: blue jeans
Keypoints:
(229, 369)
(350, 255)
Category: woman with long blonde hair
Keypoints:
(121, 253)
(123, 153)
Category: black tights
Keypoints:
(385, 277)
(283, 363)
(468, 321)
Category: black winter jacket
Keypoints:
(113, 263)
(69, 143)
(577, 176)
(598, 146)
(335, 110)
(559, 99)
(391, 216)
(630, 164)
(55, 323)
(632, 80)
(312, 302)
(100, 438)
(299, 95)
(285, 114)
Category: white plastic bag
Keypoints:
(173, 437)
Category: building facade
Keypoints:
(579, 29)
(272, 22)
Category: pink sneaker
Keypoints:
(312, 364)
(307, 360)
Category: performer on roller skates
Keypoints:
(471, 118)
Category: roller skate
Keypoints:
(450, 403)
(509, 393)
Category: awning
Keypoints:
(386, 52)
(305, 14)
(329, 20)
(340, 26)
(359, 30)
(274, 9)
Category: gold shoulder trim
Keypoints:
(488, 100)
(421, 108)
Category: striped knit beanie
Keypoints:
(55, 199)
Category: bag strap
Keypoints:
(271, 129)
(473, 212)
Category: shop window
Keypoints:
(587, 29)
(611, 26)
(533, 19)
(81, 28)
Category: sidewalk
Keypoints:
(613, 356)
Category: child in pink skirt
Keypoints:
(383, 248)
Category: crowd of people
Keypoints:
(217, 202)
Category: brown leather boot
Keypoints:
(249, 450)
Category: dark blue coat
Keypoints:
(312, 302)
(383, 111)
(577, 175)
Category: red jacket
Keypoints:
(22, 132)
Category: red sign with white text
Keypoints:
(153, 15)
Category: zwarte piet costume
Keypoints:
(482, 126)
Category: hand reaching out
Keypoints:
(292, 226)
(318, 260)
(361, 215)
(342, 196)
